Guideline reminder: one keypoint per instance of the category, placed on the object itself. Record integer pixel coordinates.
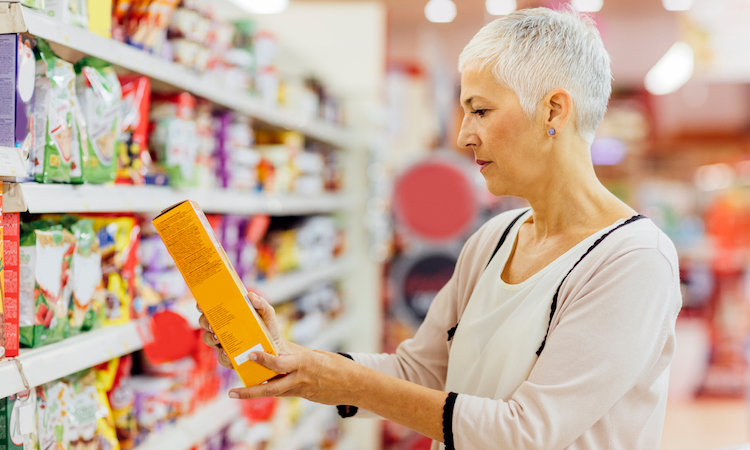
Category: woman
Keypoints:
(557, 327)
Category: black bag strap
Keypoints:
(505, 235)
(557, 293)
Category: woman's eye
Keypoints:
(479, 112)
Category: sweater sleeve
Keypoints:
(612, 330)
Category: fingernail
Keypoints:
(216, 338)
(210, 329)
(253, 357)
(233, 395)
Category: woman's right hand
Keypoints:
(266, 312)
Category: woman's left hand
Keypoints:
(318, 376)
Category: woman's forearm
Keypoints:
(408, 404)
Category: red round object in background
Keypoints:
(436, 201)
(174, 338)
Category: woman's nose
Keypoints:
(467, 136)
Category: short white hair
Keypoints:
(533, 51)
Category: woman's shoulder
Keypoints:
(641, 237)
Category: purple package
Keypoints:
(223, 149)
(154, 254)
(17, 93)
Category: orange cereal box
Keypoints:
(217, 288)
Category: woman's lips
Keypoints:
(483, 164)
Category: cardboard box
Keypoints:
(217, 288)
(11, 241)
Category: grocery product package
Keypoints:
(11, 240)
(217, 288)
(18, 426)
(100, 97)
(17, 95)
(59, 127)
(87, 305)
(114, 380)
(46, 250)
(2, 286)
(100, 17)
(70, 12)
(53, 412)
(83, 411)
(118, 240)
(133, 142)
(147, 27)
(36, 4)
(174, 140)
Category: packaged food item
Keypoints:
(100, 97)
(83, 411)
(99, 17)
(86, 265)
(105, 427)
(119, 239)
(70, 12)
(36, 4)
(44, 287)
(152, 406)
(18, 423)
(2, 286)
(54, 401)
(11, 240)
(216, 287)
(133, 142)
(149, 24)
(122, 400)
(59, 129)
(174, 141)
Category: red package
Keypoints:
(11, 242)
(133, 145)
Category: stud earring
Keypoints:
(551, 132)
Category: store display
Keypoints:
(217, 288)
(174, 140)
(100, 97)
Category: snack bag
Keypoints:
(58, 123)
(86, 267)
(100, 96)
(122, 400)
(118, 239)
(11, 239)
(36, 4)
(132, 145)
(83, 412)
(53, 415)
(18, 427)
(44, 290)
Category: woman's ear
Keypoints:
(557, 109)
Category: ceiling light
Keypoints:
(677, 5)
(587, 5)
(673, 70)
(262, 6)
(500, 7)
(440, 11)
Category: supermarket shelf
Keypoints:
(49, 363)
(202, 424)
(135, 60)
(66, 198)
(211, 418)
(285, 287)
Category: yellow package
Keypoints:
(217, 288)
(100, 17)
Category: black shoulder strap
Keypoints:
(505, 235)
(557, 293)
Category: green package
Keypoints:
(100, 97)
(59, 129)
(54, 404)
(45, 255)
(36, 4)
(176, 142)
(87, 304)
(13, 433)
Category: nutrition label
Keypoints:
(191, 250)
